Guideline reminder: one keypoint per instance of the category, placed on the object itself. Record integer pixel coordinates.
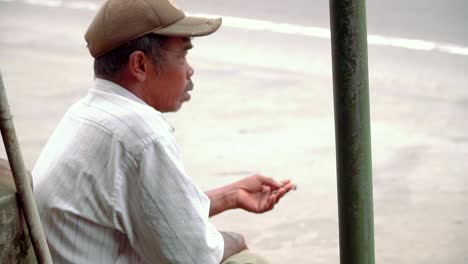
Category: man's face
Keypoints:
(167, 88)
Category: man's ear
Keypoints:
(137, 64)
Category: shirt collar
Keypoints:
(113, 88)
(101, 85)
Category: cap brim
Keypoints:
(191, 27)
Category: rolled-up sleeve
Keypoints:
(163, 213)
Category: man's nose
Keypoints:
(190, 71)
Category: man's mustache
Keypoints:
(189, 86)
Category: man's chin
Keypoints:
(187, 97)
(177, 107)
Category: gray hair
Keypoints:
(109, 64)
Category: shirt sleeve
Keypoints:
(163, 213)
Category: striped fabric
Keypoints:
(110, 187)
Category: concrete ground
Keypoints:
(263, 102)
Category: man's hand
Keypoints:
(256, 194)
(233, 244)
(259, 194)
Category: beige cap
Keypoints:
(119, 21)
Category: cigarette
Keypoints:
(293, 188)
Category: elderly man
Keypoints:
(110, 185)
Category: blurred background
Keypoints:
(263, 102)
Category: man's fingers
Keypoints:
(279, 193)
(269, 181)
(286, 181)
(266, 189)
(289, 186)
(271, 202)
(264, 203)
(286, 187)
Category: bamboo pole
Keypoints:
(22, 182)
(352, 131)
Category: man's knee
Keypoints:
(246, 257)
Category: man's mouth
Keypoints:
(189, 86)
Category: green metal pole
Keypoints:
(22, 181)
(352, 131)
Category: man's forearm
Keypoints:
(222, 199)
(233, 244)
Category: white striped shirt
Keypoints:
(110, 187)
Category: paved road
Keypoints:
(263, 102)
(424, 19)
